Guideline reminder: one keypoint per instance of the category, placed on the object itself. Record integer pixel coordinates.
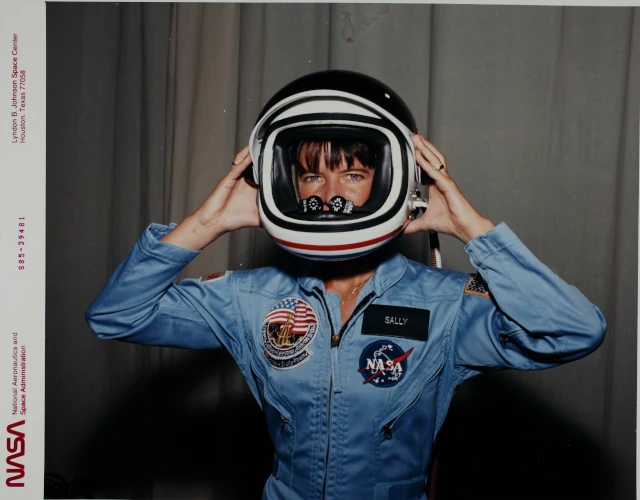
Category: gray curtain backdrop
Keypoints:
(536, 109)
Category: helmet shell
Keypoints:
(344, 105)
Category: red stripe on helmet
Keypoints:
(348, 246)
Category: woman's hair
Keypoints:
(334, 151)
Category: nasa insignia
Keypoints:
(383, 363)
(287, 330)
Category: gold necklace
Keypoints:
(357, 287)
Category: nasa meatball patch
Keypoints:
(477, 286)
(383, 363)
(287, 331)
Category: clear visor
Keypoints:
(330, 172)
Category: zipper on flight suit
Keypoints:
(335, 342)
(335, 339)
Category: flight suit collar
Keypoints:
(388, 273)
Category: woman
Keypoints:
(354, 362)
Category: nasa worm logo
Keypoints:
(383, 363)
(287, 331)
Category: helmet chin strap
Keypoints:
(337, 205)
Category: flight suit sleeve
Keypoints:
(141, 304)
(517, 313)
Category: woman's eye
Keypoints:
(311, 178)
(354, 177)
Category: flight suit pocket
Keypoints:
(410, 398)
(282, 433)
(403, 436)
(412, 489)
(281, 428)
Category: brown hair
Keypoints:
(334, 151)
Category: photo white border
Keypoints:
(22, 194)
(22, 200)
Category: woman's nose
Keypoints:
(332, 188)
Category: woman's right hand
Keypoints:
(231, 205)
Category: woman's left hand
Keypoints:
(449, 211)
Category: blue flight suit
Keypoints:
(353, 414)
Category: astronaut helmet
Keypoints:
(334, 161)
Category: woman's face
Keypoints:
(352, 183)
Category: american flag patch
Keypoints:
(477, 286)
(295, 311)
(287, 330)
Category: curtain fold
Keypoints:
(106, 88)
(621, 363)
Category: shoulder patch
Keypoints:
(214, 276)
(477, 286)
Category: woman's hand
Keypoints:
(449, 211)
(231, 205)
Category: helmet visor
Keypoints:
(330, 172)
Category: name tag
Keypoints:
(396, 321)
